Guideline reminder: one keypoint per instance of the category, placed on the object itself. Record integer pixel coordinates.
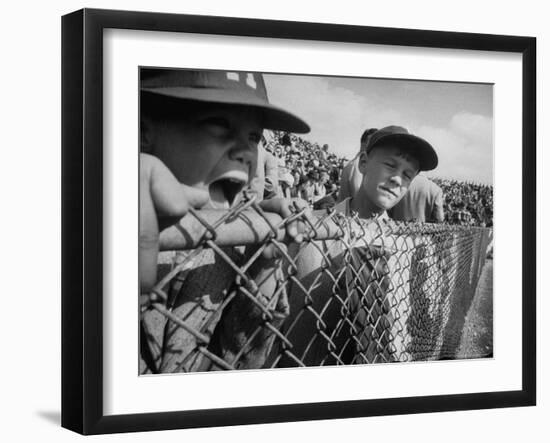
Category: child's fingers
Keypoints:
(160, 193)
(286, 211)
(286, 208)
(271, 252)
(171, 197)
(298, 226)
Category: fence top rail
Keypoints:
(253, 226)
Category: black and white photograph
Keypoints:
(271, 221)
(291, 221)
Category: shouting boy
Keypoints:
(199, 135)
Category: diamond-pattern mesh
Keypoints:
(354, 291)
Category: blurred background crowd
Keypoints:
(296, 167)
(467, 203)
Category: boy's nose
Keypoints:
(396, 179)
(243, 152)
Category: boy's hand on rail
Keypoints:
(286, 208)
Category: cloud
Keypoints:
(338, 116)
(464, 147)
(477, 128)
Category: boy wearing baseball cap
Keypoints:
(390, 162)
(199, 136)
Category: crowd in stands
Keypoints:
(310, 171)
(306, 170)
(467, 203)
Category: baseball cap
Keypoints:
(366, 134)
(227, 87)
(400, 137)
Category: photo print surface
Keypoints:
(300, 220)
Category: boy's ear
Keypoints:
(146, 135)
(363, 160)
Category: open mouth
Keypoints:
(224, 191)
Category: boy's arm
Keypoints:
(242, 323)
(271, 175)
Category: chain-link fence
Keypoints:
(234, 293)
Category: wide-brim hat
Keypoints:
(400, 137)
(226, 87)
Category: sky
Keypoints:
(455, 118)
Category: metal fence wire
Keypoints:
(234, 293)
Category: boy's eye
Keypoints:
(217, 125)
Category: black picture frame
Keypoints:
(82, 220)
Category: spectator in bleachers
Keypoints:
(306, 190)
(265, 183)
(423, 202)
(351, 176)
